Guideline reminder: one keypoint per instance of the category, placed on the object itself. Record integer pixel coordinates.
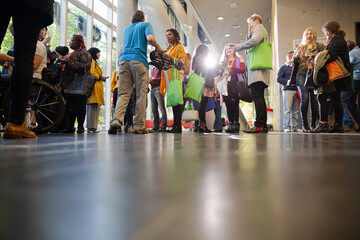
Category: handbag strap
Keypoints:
(265, 40)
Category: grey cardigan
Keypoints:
(256, 38)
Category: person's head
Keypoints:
(309, 36)
(138, 16)
(62, 50)
(95, 53)
(350, 44)
(77, 42)
(229, 52)
(11, 29)
(289, 56)
(332, 28)
(200, 52)
(254, 20)
(172, 36)
(42, 33)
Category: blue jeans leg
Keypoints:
(218, 122)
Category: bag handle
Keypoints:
(265, 40)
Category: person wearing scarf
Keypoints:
(96, 98)
(77, 62)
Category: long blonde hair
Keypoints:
(224, 58)
(303, 41)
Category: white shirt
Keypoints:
(40, 51)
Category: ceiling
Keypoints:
(235, 14)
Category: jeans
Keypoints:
(26, 36)
(257, 93)
(306, 95)
(157, 100)
(348, 101)
(324, 106)
(291, 110)
(130, 73)
(218, 125)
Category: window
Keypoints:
(77, 23)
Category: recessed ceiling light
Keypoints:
(233, 5)
(227, 35)
(220, 18)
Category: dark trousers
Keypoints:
(26, 36)
(128, 119)
(232, 101)
(75, 109)
(202, 109)
(324, 106)
(177, 111)
(257, 94)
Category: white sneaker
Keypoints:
(297, 130)
(287, 130)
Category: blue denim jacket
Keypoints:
(354, 55)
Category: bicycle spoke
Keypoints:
(48, 104)
(48, 110)
(37, 98)
(45, 98)
(46, 117)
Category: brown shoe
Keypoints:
(13, 130)
(350, 129)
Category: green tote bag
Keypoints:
(195, 86)
(260, 56)
(174, 95)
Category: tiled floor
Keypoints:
(180, 187)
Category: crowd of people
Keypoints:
(306, 77)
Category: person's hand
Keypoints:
(251, 28)
(159, 49)
(46, 40)
(64, 60)
(103, 78)
(150, 80)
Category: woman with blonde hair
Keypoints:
(304, 55)
(234, 66)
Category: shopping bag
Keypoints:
(190, 114)
(195, 86)
(174, 94)
(260, 55)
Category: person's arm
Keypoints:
(255, 39)
(281, 76)
(113, 81)
(241, 69)
(153, 42)
(93, 71)
(37, 61)
(336, 46)
(5, 57)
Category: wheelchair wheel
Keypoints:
(45, 109)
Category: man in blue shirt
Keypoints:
(134, 70)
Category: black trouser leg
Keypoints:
(257, 93)
(202, 110)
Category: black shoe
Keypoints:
(162, 130)
(203, 129)
(305, 128)
(218, 130)
(68, 130)
(113, 129)
(236, 128)
(257, 130)
(321, 128)
(337, 128)
(80, 130)
(175, 130)
(196, 130)
(229, 129)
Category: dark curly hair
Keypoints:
(175, 33)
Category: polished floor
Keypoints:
(180, 187)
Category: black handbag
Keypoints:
(309, 81)
(243, 90)
(80, 85)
